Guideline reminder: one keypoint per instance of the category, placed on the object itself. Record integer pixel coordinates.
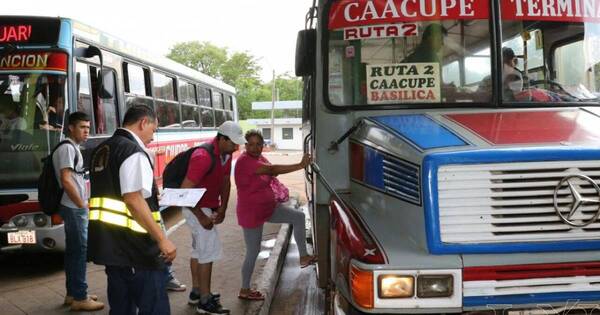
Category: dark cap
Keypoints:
(508, 53)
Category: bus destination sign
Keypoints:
(53, 61)
(21, 31)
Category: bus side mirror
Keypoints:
(306, 46)
(90, 52)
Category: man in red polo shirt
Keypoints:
(212, 173)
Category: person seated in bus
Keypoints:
(512, 80)
(431, 44)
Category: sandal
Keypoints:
(311, 261)
(253, 295)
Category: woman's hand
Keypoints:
(306, 160)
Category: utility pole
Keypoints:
(273, 111)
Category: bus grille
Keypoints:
(513, 202)
(501, 284)
(401, 179)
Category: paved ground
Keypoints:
(34, 284)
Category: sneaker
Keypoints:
(212, 306)
(194, 297)
(87, 305)
(175, 285)
(69, 299)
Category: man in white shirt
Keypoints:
(125, 232)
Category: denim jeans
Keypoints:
(137, 291)
(76, 231)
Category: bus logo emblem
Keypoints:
(567, 213)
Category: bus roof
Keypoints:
(114, 43)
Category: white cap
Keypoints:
(233, 131)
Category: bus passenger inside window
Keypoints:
(430, 46)
(512, 80)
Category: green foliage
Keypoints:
(241, 70)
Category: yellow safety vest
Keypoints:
(115, 212)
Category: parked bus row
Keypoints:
(50, 67)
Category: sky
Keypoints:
(266, 29)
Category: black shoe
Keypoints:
(194, 298)
(211, 307)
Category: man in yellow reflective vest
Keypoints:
(124, 230)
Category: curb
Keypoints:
(267, 280)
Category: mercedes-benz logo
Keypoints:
(578, 200)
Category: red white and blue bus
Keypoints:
(457, 149)
(50, 67)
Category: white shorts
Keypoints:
(206, 245)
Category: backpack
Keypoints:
(177, 168)
(49, 190)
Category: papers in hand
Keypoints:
(181, 197)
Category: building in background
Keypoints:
(288, 133)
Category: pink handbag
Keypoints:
(282, 194)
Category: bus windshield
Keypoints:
(401, 52)
(550, 61)
(31, 118)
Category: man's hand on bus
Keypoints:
(168, 251)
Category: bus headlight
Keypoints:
(396, 286)
(430, 286)
(21, 221)
(40, 219)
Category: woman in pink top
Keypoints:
(256, 205)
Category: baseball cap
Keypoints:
(233, 131)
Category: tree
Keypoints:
(204, 57)
(240, 70)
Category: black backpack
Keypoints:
(177, 168)
(49, 190)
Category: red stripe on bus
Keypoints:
(535, 127)
(531, 271)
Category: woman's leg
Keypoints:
(252, 237)
(287, 214)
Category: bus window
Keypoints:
(204, 97)
(229, 115)
(135, 79)
(168, 115)
(217, 98)
(410, 68)
(84, 94)
(568, 62)
(220, 117)
(105, 109)
(207, 117)
(163, 87)
(190, 116)
(187, 92)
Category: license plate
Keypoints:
(21, 237)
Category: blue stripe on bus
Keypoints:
(531, 298)
(431, 164)
(421, 130)
(65, 39)
(373, 168)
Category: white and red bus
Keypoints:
(50, 67)
(458, 143)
